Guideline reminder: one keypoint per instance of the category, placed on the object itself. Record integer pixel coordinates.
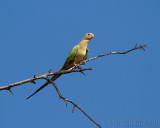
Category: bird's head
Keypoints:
(88, 36)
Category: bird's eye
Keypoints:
(88, 34)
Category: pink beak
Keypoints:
(92, 36)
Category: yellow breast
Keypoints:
(80, 55)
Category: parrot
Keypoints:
(78, 54)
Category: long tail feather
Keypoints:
(53, 78)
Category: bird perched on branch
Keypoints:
(77, 55)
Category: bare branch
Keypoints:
(71, 70)
(32, 80)
(73, 103)
(135, 48)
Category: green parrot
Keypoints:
(77, 54)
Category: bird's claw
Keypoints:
(76, 65)
(83, 62)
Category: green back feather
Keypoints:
(70, 57)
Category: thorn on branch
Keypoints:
(81, 71)
(74, 108)
(136, 45)
(66, 103)
(142, 47)
(11, 91)
(49, 71)
(60, 96)
(33, 80)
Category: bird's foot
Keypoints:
(76, 66)
(83, 62)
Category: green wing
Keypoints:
(85, 57)
(70, 57)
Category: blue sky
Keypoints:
(37, 35)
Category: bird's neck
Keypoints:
(84, 43)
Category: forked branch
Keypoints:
(76, 68)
